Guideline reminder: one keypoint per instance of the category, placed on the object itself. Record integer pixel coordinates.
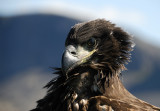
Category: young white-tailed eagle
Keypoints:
(95, 54)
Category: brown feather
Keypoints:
(95, 85)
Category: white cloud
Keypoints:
(72, 10)
(128, 17)
(120, 16)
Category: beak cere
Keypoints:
(69, 58)
(74, 56)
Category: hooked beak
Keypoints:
(74, 56)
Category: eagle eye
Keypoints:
(91, 42)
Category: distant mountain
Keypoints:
(144, 69)
(31, 41)
(38, 41)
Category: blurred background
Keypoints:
(32, 36)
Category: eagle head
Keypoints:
(97, 44)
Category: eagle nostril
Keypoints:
(73, 53)
(72, 50)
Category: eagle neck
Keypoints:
(115, 89)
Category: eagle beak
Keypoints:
(69, 58)
(74, 56)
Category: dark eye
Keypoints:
(91, 42)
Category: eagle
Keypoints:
(89, 79)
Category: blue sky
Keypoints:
(142, 16)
